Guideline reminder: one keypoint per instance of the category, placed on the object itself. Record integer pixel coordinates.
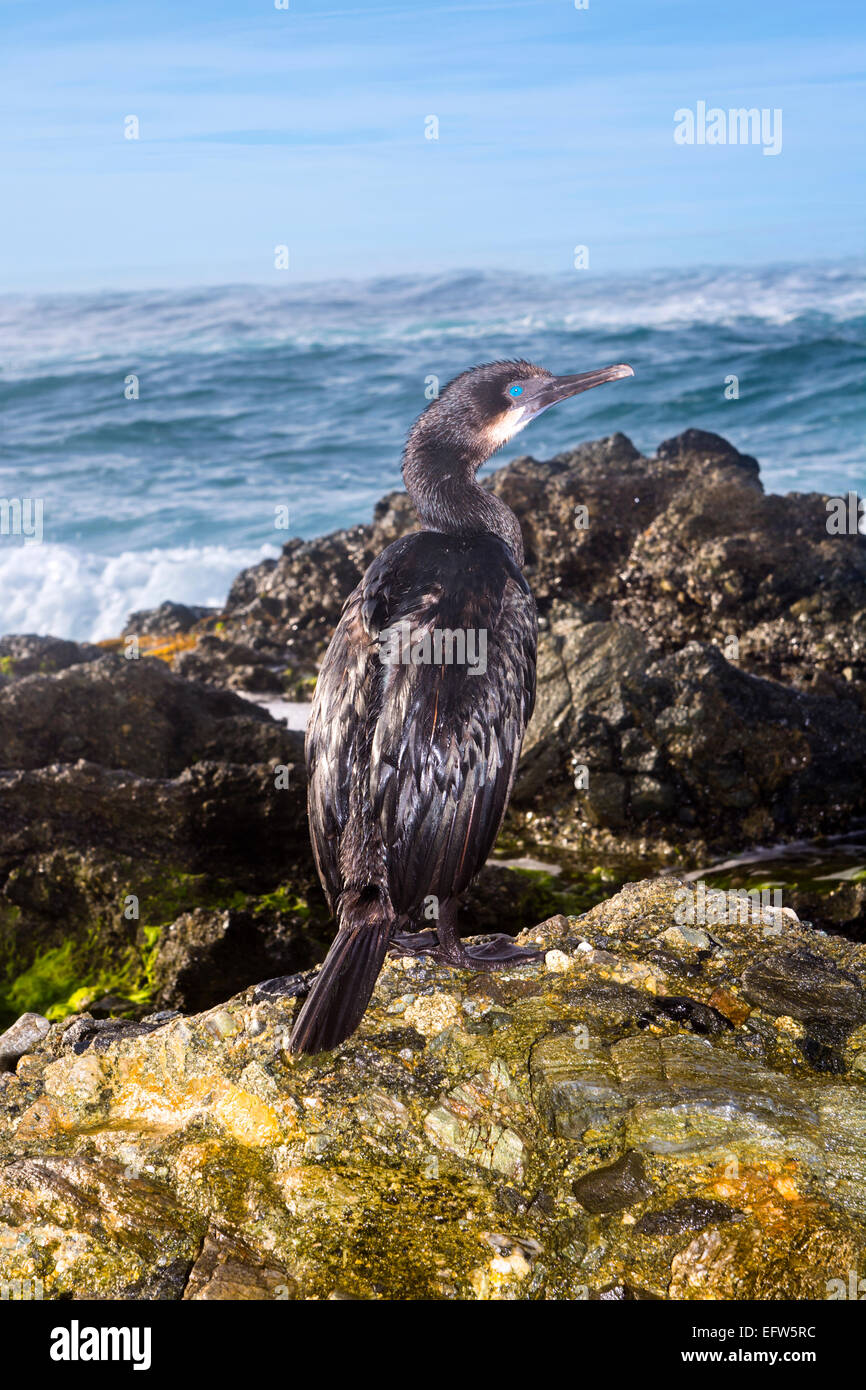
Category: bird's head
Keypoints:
(476, 414)
(485, 407)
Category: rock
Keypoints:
(688, 741)
(743, 751)
(688, 1214)
(725, 560)
(108, 1005)
(167, 618)
(651, 799)
(681, 938)
(135, 715)
(605, 801)
(680, 547)
(202, 955)
(692, 520)
(215, 817)
(651, 1111)
(98, 866)
(698, 1017)
(841, 909)
(740, 1262)
(574, 1088)
(154, 847)
(622, 1293)
(804, 984)
(86, 1032)
(702, 687)
(114, 1212)
(233, 665)
(689, 612)
(228, 1269)
(24, 1034)
(563, 1153)
(140, 799)
(619, 1185)
(26, 654)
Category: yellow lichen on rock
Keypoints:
(541, 1133)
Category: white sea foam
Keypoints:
(56, 589)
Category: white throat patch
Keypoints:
(510, 423)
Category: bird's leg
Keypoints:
(414, 943)
(446, 946)
(498, 952)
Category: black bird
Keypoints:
(422, 703)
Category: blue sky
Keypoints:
(305, 127)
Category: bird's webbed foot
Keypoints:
(416, 943)
(284, 987)
(497, 953)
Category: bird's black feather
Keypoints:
(428, 751)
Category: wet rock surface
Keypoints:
(687, 1214)
(517, 1136)
(702, 688)
(615, 1188)
(805, 985)
(132, 800)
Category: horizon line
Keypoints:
(279, 279)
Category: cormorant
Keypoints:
(422, 702)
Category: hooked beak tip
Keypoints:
(617, 372)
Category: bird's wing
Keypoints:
(338, 716)
(420, 758)
(445, 746)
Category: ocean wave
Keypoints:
(70, 332)
(302, 394)
(58, 589)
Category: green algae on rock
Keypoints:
(137, 800)
(536, 1134)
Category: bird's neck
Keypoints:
(447, 498)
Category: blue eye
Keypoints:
(515, 390)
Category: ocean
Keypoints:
(166, 433)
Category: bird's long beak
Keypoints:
(542, 393)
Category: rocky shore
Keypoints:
(702, 689)
(657, 1109)
(650, 1111)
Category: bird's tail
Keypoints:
(335, 1005)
